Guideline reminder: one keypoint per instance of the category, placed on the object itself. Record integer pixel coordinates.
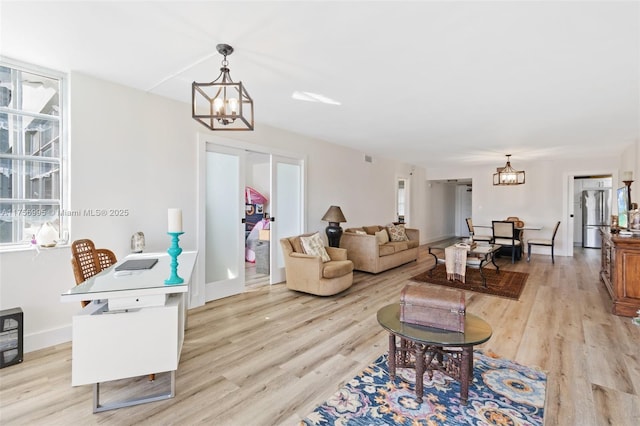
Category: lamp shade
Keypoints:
(334, 214)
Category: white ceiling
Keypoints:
(426, 82)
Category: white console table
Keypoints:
(134, 325)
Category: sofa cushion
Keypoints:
(314, 246)
(386, 249)
(398, 245)
(355, 230)
(337, 268)
(371, 230)
(360, 232)
(397, 232)
(382, 236)
(296, 244)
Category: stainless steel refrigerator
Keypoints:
(596, 211)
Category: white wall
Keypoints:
(137, 151)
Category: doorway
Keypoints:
(257, 199)
(244, 190)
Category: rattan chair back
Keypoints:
(87, 261)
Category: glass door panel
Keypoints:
(224, 210)
(287, 209)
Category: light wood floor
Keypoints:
(270, 355)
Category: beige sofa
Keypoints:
(309, 274)
(367, 254)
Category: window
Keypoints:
(31, 179)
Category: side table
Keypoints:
(432, 349)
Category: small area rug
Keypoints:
(505, 283)
(502, 393)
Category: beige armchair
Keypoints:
(309, 274)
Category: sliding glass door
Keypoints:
(286, 210)
(224, 228)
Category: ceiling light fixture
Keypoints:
(507, 175)
(222, 104)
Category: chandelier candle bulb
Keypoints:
(175, 220)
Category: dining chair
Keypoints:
(543, 242)
(472, 232)
(87, 261)
(518, 225)
(504, 234)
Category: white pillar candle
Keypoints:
(175, 220)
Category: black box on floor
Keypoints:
(11, 331)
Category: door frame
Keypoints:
(276, 263)
(407, 197)
(567, 205)
(197, 291)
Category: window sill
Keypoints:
(28, 247)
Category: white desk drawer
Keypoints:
(134, 302)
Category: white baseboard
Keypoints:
(44, 339)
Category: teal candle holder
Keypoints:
(174, 251)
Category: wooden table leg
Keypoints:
(466, 372)
(391, 357)
(420, 349)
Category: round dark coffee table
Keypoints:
(430, 349)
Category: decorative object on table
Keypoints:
(636, 320)
(433, 307)
(504, 284)
(614, 221)
(175, 230)
(334, 232)
(507, 175)
(627, 179)
(501, 389)
(222, 104)
(137, 242)
(623, 206)
(634, 219)
(47, 235)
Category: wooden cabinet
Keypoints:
(620, 272)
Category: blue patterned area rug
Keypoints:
(502, 393)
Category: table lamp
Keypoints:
(334, 216)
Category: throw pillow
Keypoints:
(359, 232)
(382, 236)
(371, 230)
(314, 246)
(397, 232)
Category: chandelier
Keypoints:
(507, 175)
(222, 104)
